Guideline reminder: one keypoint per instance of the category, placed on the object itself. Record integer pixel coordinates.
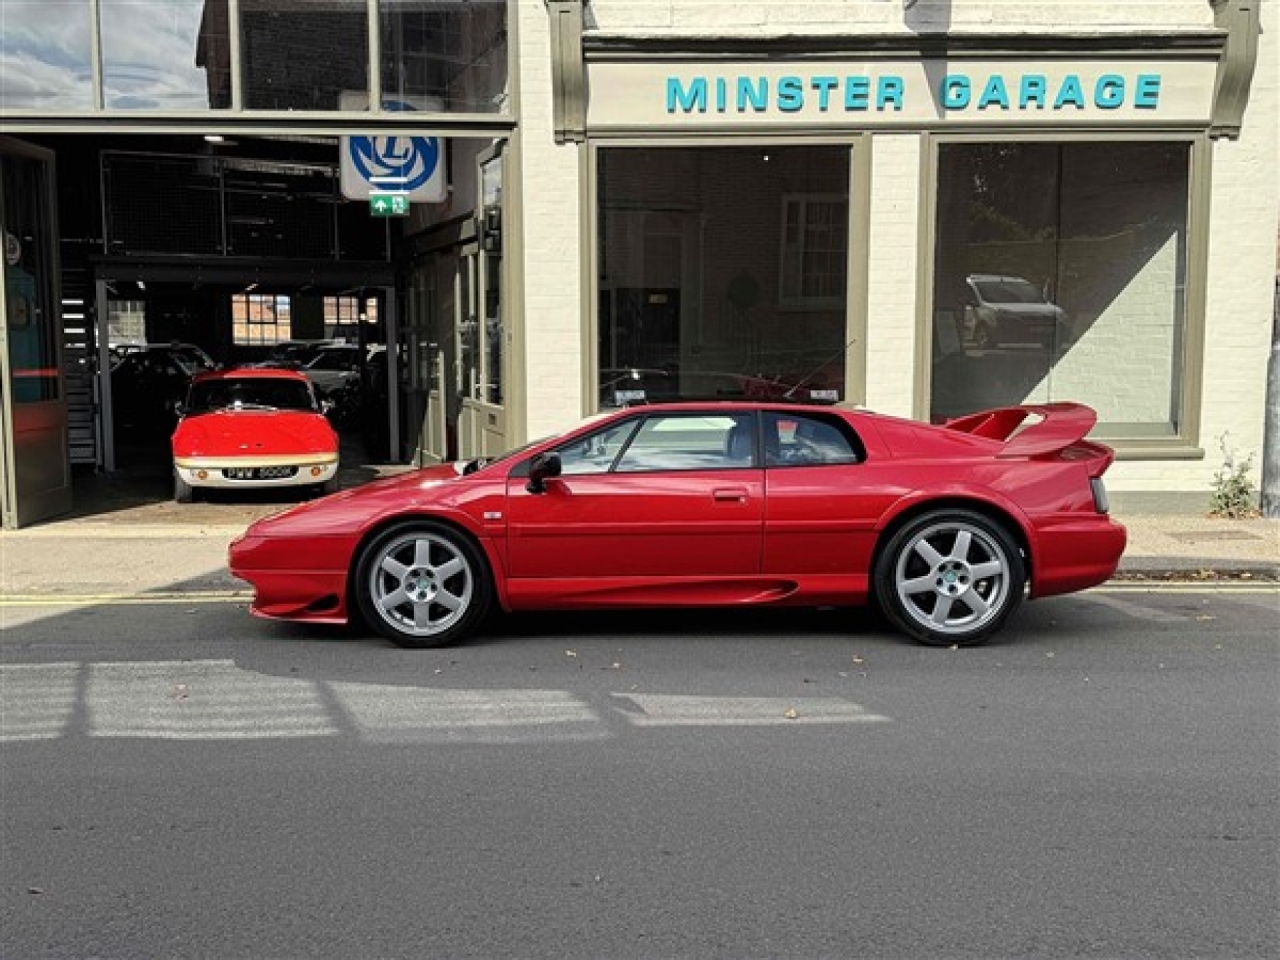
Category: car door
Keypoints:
(653, 496)
(823, 500)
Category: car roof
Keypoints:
(693, 405)
(250, 373)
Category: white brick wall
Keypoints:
(867, 16)
(893, 265)
(552, 243)
(1243, 219)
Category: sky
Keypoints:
(148, 48)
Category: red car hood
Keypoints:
(253, 432)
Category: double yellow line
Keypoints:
(123, 599)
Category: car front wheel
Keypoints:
(422, 585)
(950, 578)
(183, 492)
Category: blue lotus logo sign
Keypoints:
(398, 164)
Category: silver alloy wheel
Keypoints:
(953, 578)
(421, 583)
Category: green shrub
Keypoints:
(1234, 495)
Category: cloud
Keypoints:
(44, 55)
(148, 53)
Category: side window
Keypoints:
(801, 440)
(595, 452)
(691, 442)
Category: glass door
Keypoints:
(34, 460)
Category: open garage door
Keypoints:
(34, 461)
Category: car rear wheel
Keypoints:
(422, 585)
(183, 492)
(950, 578)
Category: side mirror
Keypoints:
(177, 407)
(541, 468)
(326, 406)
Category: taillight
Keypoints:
(1100, 502)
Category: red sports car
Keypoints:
(252, 428)
(711, 504)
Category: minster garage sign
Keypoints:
(751, 95)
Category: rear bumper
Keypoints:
(1075, 552)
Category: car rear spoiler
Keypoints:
(1059, 426)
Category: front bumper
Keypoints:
(239, 473)
(292, 579)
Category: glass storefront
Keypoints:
(1060, 273)
(722, 272)
(434, 56)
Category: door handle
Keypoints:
(729, 495)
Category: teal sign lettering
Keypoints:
(955, 93)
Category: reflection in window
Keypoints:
(31, 319)
(45, 58)
(445, 56)
(164, 54)
(305, 56)
(1059, 275)
(696, 247)
(814, 251)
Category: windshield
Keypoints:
(1009, 290)
(333, 360)
(249, 393)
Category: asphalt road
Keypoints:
(180, 780)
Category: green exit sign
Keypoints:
(389, 204)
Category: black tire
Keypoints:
(950, 578)
(183, 492)
(329, 486)
(422, 563)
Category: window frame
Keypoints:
(1185, 443)
(841, 426)
(787, 252)
(248, 299)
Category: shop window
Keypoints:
(814, 252)
(260, 319)
(45, 56)
(704, 256)
(1060, 274)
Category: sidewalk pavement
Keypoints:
(163, 546)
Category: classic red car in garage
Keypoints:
(711, 504)
(252, 428)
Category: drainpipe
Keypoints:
(1271, 423)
